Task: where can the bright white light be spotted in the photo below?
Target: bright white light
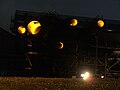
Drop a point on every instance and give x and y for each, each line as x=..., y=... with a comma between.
x=102, y=76
x=86, y=75
x=82, y=75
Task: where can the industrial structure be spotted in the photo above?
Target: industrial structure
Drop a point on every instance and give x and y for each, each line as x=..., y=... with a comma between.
x=62, y=45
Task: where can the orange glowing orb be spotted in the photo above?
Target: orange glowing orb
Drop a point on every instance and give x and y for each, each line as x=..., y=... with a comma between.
x=73, y=22
x=34, y=27
x=100, y=23
x=21, y=29
x=60, y=45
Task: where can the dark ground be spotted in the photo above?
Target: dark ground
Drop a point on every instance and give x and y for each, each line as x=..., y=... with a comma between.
x=37, y=83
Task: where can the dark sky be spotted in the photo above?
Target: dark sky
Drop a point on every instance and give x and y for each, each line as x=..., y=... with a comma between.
x=109, y=9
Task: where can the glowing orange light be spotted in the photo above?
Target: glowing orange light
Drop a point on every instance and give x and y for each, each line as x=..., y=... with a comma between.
x=34, y=27
x=21, y=29
x=100, y=23
x=61, y=45
x=73, y=22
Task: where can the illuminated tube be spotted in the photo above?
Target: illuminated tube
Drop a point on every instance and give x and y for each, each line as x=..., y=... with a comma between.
x=73, y=22
x=34, y=27
x=21, y=29
x=100, y=23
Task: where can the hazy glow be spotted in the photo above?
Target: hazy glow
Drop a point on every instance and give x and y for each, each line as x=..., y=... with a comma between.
x=73, y=22
x=34, y=27
x=86, y=75
x=32, y=53
x=100, y=23
x=109, y=30
x=117, y=52
x=29, y=45
x=21, y=29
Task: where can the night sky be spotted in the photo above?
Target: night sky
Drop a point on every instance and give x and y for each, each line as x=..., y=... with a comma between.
x=109, y=9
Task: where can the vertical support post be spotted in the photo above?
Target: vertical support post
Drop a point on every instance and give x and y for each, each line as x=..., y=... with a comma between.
x=96, y=57
x=106, y=71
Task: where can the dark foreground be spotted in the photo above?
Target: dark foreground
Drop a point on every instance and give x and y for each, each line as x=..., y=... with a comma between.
x=37, y=83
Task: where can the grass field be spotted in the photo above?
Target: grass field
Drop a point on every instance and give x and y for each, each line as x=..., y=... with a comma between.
x=37, y=83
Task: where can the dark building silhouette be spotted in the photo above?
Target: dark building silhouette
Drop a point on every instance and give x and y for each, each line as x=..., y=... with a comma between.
x=11, y=57
x=86, y=46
